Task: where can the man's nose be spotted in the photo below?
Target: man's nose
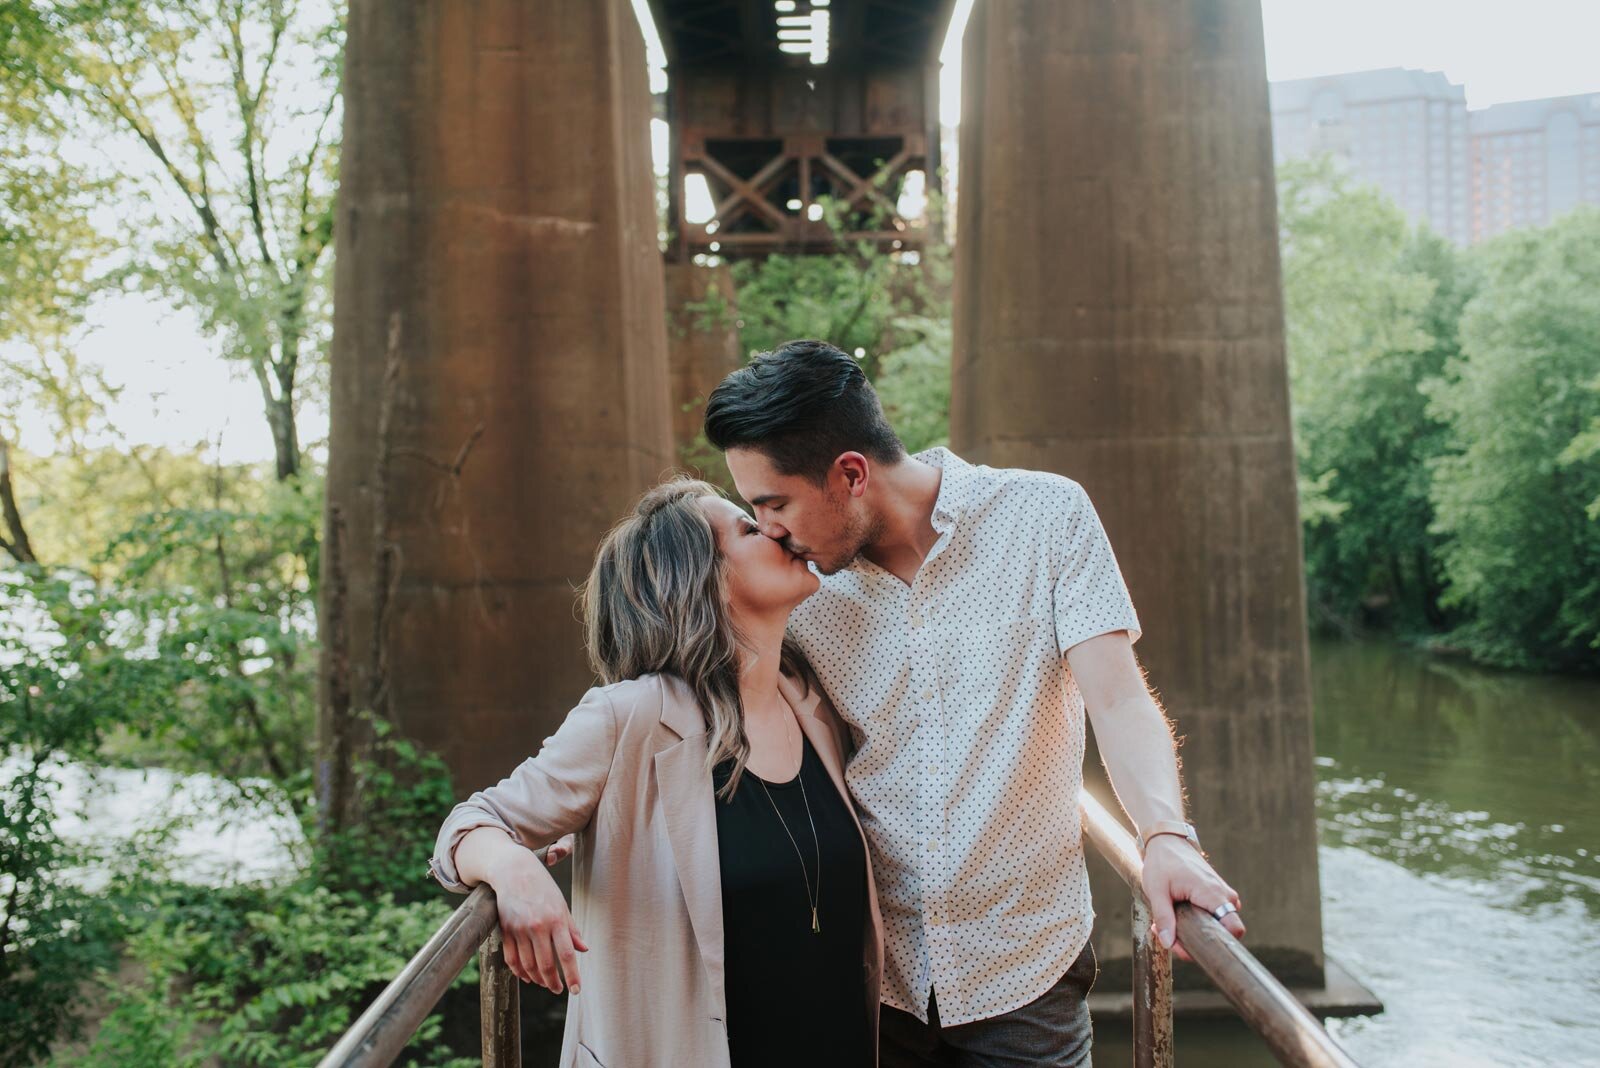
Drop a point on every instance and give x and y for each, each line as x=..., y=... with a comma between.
x=771, y=528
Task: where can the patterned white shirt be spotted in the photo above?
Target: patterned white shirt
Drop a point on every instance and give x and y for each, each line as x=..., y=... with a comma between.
x=970, y=733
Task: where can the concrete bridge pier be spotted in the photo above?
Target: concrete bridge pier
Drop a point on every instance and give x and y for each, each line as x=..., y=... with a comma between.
x=500, y=391
x=702, y=349
x=1119, y=320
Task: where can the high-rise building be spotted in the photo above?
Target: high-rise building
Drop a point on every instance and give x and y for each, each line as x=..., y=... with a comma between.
x=1405, y=131
x=1468, y=174
x=1533, y=160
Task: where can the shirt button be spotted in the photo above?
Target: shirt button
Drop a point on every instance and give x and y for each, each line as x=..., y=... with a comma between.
x=933, y=843
x=916, y=620
x=927, y=695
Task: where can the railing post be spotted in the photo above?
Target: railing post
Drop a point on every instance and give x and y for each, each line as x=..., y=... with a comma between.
x=498, y=1005
x=1152, y=993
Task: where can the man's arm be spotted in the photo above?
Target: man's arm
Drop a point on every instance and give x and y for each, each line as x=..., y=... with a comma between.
x=1136, y=744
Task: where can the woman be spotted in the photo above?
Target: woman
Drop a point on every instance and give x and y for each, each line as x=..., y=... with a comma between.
x=720, y=878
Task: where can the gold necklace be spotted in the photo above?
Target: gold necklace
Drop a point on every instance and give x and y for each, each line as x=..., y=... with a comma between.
x=816, y=927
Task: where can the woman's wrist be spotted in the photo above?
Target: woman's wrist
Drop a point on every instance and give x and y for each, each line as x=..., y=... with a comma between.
x=482, y=852
x=511, y=865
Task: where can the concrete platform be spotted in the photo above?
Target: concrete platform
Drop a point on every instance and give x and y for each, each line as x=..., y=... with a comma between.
x=1341, y=995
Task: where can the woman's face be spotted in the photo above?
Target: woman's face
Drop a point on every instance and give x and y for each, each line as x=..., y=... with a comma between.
x=763, y=576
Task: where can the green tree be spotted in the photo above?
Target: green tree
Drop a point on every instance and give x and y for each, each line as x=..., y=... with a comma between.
x=1514, y=493
x=1586, y=446
x=914, y=380
x=857, y=298
x=1369, y=308
x=219, y=124
x=48, y=250
x=890, y=308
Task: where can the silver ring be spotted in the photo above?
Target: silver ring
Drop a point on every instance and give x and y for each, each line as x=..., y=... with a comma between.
x=1223, y=909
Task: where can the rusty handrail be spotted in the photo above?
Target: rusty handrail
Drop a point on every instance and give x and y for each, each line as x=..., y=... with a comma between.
x=1289, y=1030
x=377, y=1038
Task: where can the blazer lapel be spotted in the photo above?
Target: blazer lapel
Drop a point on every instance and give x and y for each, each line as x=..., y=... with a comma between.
x=688, y=808
x=823, y=738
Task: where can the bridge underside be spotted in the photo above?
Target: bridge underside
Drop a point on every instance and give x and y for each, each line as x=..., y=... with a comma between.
x=501, y=390
x=771, y=132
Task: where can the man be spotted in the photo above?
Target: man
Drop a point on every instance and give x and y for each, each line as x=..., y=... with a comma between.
x=968, y=619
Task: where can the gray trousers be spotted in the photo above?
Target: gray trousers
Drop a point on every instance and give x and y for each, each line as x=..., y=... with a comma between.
x=1052, y=1030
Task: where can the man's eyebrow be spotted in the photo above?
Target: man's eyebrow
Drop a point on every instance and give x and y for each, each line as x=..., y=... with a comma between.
x=765, y=498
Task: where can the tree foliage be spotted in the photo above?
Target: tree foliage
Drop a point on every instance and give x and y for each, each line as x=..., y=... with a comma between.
x=1515, y=493
x=217, y=126
x=1446, y=424
x=1356, y=307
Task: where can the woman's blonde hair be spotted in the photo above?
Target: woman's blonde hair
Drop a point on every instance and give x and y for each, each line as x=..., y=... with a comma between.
x=656, y=600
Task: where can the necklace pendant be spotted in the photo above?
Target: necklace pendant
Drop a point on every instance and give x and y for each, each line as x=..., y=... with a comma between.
x=816, y=928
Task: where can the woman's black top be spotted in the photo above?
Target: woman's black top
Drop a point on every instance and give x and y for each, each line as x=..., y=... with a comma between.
x=795, y=997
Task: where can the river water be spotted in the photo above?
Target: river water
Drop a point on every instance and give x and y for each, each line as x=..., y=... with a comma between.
x=1459, y=825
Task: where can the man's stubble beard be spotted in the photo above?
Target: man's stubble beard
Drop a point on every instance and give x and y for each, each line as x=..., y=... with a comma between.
x=860, y=532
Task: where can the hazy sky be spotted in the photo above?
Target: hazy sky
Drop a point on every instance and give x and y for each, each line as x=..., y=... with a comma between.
x=1499, y=49
x=179, y=392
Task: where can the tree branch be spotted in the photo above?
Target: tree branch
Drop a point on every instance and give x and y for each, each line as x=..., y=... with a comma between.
x=19, y=546
x=313, y=239
x=249, y=104
x=137, y=122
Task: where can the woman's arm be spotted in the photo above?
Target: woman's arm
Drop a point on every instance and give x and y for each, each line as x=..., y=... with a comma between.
x=545, y=797
x=490, y=837
x=541, y=940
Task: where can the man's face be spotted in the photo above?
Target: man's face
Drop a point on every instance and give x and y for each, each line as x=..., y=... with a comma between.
x=825, y=524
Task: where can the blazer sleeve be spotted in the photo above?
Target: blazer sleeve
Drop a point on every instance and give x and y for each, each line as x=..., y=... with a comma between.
x=544, y=797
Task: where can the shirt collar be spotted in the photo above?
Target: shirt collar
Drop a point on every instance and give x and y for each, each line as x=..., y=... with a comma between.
x=955, y=492
x=955, y=485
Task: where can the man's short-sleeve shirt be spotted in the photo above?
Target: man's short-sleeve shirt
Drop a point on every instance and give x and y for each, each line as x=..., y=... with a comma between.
x=970, y=730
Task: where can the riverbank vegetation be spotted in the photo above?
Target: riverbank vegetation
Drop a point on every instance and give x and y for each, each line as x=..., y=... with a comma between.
x=1445, y=409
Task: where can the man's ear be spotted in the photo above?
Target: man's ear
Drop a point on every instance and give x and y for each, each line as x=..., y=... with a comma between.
x=856, y=471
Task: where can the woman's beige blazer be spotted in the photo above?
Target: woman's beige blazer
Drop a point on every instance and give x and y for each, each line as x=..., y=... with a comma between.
x=627, y=773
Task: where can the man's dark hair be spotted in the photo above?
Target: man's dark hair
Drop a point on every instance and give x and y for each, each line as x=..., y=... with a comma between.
x=802, y=404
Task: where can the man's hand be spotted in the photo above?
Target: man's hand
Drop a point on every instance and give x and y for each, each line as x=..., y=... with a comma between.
x=559, y=850
x=1175, y=871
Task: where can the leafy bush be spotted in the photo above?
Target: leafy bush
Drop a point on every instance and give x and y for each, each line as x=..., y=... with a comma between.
x=196, y=650
x=61, y=689
x=406, y=792
x=262, y=977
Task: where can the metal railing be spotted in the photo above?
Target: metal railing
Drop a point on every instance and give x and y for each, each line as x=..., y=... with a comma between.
x=1266, y=1006
x=377, y=1038
x=1288, y=1028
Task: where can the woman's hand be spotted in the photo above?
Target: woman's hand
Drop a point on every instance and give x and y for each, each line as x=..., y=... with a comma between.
x=541, y=941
